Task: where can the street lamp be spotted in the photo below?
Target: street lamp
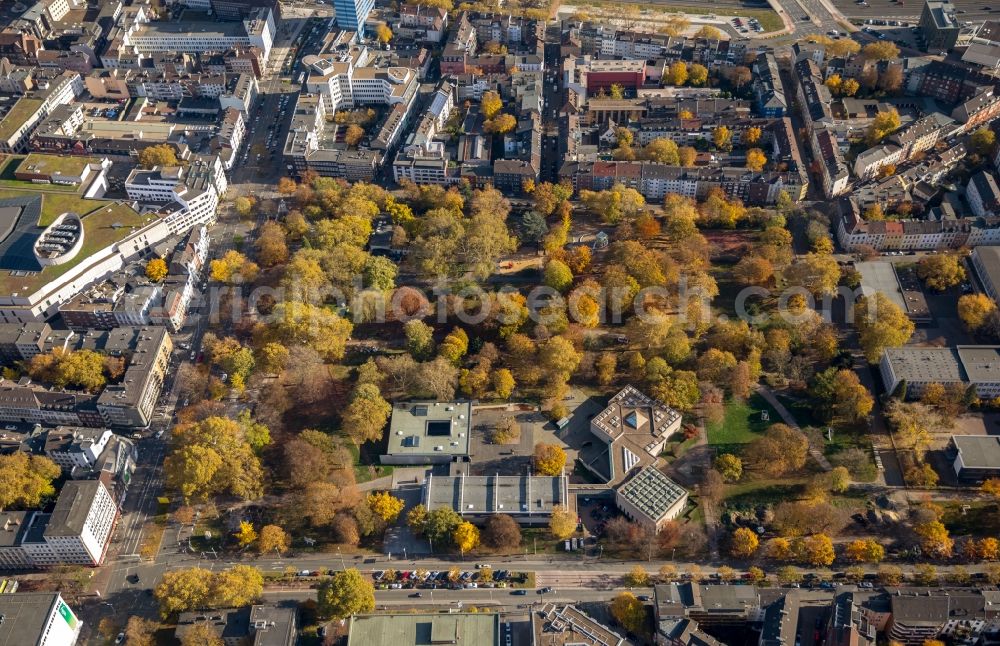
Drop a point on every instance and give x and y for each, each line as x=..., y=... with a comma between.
x=342, y=565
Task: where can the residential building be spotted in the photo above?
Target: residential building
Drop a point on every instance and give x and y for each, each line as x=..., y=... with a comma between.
x=832, y=166
x=19, y=120
x=939, y=25
x=527, y=499
x=131, y=402
x=565, y=625
x=482, y=629
x=80, y=526
x=72, y=447
x=769, y=96
x=256, y=625
x=986, y=261
x=37, y=618
x=968, y=366
x=428, y=433
x=983, y=194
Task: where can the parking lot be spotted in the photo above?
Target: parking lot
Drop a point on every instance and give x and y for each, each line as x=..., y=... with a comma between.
x=967, y=10
x=483, y=576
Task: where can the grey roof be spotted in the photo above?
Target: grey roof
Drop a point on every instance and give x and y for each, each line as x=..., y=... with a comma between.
x=419, y=428
x=25, y=615
x=978, y=451
x=424, y=629
x=981, y=362
x=926, y=365
x=72, y=507
x=988, y=257
x=272, y=625
x=496, y=494
x=18, y=232
x=652, y=493
x=13, y=526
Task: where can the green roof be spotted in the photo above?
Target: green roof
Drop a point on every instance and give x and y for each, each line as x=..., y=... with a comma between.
x=104, y=223
x=48, y=164
x=17, y=115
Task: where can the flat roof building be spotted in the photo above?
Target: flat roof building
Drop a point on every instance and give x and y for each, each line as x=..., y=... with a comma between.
x=977, y=366
x=556, y=625
x=651, y=498
x=419, y=629
x=528, y=499
x=633, y=429
x=975, y=457
x=939, y=25
x=37, y=618
x=986, y=261
x=428, y=433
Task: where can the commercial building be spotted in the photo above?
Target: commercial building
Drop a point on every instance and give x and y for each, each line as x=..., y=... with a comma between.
x=939, y=25
x=38, y=619
x=651, y=499
x=352, y=14
x=428, y=433
x=191, y=193
x=482, y=629
x=527, y=499
x=145, y=37
x=975, y=366
x=975, y=457
x=76, y=532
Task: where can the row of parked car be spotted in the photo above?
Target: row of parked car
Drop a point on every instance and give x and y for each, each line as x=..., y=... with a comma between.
x=408, y=579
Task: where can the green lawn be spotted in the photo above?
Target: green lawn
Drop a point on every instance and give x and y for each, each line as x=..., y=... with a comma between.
x=751, y=492
x=18, y=114
x=769, y=20
x=981, y=519
x=742, y=423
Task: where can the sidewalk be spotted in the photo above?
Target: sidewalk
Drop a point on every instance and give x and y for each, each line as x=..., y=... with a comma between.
x=817, y=455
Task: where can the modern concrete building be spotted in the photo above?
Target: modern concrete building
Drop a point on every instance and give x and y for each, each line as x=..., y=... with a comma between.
x=72, y=447
x=429, y=433
x=651, y=498
x=37, y=619
x=482, y=629
x=528, y=499
x=565, y=625
x=967, y=366
x=975, y=457
x=632, y=430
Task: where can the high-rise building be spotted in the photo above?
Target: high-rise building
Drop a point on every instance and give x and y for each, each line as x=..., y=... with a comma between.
x=939, y=25
x=352, y=14
x=40, y=618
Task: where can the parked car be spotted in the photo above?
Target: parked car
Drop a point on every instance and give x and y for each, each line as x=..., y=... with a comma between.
x=519, y=593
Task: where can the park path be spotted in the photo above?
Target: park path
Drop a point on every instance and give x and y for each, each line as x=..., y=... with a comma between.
x=817, y=455
x=711, y=519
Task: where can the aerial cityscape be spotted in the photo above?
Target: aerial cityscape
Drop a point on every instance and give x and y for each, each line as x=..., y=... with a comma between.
x=499, y=323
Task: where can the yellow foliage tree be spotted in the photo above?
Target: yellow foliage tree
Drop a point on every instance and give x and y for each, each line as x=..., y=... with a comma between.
x=466, y=537
x=385, y=505
x=156, y=269
x=246, y=534
x=549, y=459
x=562, y=523
x=743, y=543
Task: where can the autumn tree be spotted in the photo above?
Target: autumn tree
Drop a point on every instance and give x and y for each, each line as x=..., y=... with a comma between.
x=383, y=33
x=25, y=479
x=637, y=577
x=233, y=267
x=629, y=612
x=500, y=124
x=782, y=449
x=708, y=32
x=976, y=310
x=883, y=124
x=881, y=324
x=743, y=543
x=697, y=74
x=502, y=532
x=562, y=522
x=465, y=537
x=156, y=269
x=385, y=505
x=753, y=270
x=941, y=271
x=312, y=326
x=273, y=539
x=983, y=140
x=729, y=466
x=844, y=395
x=549, y=459
x=345, y=593
x=367, y=414
x=272, y=248
x=677, y=74
x=880, y=50
x=934, y=539
x=159, y=155
x=490, y=105
x=722, y=137
x=213, y=456
x=864, y=551
x=756, y=159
